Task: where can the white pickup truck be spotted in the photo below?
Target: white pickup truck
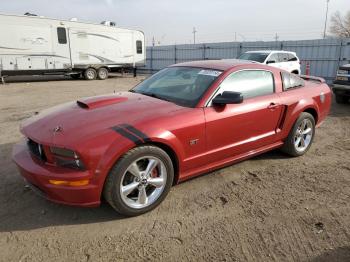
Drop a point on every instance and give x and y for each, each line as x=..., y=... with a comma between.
x=341, y=87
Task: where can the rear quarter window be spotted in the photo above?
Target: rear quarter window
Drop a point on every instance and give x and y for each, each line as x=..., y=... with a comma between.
x=292, y=58
x=291, y=81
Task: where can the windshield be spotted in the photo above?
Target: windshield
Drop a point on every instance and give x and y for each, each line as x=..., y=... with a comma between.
x=258, y=57
x=181, y=85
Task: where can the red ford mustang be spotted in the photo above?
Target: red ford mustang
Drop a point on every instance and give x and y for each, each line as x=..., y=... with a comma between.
x=183, y=121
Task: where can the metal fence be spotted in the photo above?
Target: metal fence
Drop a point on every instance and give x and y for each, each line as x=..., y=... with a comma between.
x=323, y=56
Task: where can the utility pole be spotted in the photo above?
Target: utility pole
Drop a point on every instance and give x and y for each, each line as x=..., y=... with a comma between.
x=276, y=37
x=243, y=37
x=325, y=22
x=194, y=35
x=153, y=41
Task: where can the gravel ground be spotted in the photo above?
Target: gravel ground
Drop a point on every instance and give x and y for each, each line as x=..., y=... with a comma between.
x=269, y=208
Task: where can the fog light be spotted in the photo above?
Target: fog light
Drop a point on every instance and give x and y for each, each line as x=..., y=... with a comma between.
x=69, y=183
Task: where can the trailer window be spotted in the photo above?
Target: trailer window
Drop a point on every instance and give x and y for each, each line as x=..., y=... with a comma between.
x=61, y=34
x=139, y=47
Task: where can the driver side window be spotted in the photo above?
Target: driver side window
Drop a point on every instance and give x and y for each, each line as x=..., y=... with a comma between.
x=250, y=83
x=274, y=57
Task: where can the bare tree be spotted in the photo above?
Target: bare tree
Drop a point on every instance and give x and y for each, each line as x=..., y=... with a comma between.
x=340, y=25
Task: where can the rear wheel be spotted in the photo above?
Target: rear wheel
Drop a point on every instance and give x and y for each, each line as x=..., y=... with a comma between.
x=340, y=99
x=90, y=74
x=102, y=73
x=301, y=136
x=139, y=181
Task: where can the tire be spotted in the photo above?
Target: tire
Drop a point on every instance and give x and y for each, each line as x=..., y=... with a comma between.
x=295, y=147
x=341, y=99
x=102, y=73
x=75, y=76
x=90, y=74
x=142, y=194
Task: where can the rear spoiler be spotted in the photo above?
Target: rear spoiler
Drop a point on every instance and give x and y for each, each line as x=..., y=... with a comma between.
x=313, y=78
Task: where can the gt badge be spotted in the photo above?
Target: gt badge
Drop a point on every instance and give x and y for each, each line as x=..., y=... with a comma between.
x=194, y=142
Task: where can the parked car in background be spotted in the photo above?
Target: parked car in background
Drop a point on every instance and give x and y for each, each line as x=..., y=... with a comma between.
x=341, y=85
x=285, y=60
x=185, y=120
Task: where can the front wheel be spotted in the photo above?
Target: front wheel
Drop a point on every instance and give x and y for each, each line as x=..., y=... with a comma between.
x=139, y=181
x=301, y=136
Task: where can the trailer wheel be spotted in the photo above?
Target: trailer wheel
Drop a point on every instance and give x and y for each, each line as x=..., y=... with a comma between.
x=90, y=74
x=102, y=73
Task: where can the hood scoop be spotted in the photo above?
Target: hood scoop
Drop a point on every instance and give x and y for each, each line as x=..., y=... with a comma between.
x=100, y=101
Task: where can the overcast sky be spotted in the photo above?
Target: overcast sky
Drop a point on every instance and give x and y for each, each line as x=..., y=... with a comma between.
x=215, y=20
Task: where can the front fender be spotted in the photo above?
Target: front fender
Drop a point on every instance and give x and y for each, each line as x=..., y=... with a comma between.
x=121, y=145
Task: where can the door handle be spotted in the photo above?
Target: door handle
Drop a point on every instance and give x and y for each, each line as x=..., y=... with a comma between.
x=273, y=106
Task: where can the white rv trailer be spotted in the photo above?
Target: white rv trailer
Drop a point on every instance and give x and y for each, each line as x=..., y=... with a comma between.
x=32, y=45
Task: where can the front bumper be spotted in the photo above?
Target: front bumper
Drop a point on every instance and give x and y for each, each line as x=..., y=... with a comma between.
x=38, y=174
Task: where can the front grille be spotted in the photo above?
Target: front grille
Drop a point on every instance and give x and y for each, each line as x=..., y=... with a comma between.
x=36, y=149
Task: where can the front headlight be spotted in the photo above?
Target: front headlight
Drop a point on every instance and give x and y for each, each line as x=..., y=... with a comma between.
x=66, y=158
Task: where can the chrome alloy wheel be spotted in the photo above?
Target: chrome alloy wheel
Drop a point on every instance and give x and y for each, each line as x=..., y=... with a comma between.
x=303, y=135
x=143, y=182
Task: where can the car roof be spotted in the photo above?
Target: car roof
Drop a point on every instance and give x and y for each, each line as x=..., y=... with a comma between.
x=223, y=64
x=271, y=51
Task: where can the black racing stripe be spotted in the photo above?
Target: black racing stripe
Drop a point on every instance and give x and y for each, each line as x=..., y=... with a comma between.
x=136, y=132
x=127, y=135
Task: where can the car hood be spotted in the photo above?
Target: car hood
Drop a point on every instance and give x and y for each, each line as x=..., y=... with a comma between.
x=74, y=122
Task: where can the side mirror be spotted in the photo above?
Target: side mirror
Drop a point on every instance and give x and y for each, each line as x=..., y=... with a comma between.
x=271, y=62
x=228, y=97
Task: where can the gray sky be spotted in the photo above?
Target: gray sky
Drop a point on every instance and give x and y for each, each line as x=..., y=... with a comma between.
x=173, y=21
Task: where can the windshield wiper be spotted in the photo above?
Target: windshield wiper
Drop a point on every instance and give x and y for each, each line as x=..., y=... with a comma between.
x=155, y=96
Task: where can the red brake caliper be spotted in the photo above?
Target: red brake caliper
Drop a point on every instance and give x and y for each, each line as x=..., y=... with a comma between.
x=154, y=173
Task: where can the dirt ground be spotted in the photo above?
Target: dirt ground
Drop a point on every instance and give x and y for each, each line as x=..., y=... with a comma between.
x=269, y=208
